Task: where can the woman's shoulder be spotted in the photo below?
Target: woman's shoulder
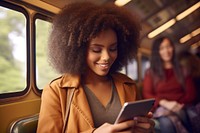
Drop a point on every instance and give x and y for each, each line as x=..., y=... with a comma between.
x=65, y=80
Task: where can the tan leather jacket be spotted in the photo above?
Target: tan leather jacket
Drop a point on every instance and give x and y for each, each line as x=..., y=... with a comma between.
x=52, y=112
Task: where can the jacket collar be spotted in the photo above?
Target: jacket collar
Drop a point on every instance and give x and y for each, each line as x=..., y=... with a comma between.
x=70, y=80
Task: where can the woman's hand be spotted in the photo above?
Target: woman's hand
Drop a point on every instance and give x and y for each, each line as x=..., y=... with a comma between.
x=137, y=125
x=123, y=127
x=144, y=125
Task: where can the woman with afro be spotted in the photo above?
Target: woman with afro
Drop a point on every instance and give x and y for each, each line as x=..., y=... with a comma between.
x=88, y=45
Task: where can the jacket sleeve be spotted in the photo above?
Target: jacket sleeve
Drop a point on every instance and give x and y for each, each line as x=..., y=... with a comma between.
x=50, y=117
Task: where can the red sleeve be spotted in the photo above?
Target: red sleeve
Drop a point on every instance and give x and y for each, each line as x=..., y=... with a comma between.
x=148, y=90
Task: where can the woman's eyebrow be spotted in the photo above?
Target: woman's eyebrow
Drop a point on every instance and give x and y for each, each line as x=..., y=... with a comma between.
x=96, y=44
x=101, y=45
x=115, y=43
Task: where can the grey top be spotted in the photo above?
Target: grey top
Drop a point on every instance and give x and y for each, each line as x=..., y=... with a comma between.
x=100, y=113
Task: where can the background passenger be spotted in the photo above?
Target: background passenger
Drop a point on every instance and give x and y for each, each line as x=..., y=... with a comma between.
x=174, y=91
x=191, y=62
x=88, y=45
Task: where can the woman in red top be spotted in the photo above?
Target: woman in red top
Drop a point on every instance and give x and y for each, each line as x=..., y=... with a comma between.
x=171, y=88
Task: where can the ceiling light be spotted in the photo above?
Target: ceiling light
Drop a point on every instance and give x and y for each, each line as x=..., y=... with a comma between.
x=185, y=38
x=121, y=2
x=196, y=32
x=188, y=11
x=161, y=28
x=189, y=36
x=195, y=45
x=173, y=21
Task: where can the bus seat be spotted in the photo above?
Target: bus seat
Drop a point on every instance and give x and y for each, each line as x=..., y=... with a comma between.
x=25, y=125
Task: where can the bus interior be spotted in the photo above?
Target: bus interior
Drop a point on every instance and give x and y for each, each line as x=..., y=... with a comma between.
x=25, y=26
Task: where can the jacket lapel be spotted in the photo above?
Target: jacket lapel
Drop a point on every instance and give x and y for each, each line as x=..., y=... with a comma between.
x=79, y=98
x=125, y=87
x=80, y=101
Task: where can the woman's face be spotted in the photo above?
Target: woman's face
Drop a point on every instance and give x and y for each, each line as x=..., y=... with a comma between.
x=166, y=50
x=102, y=52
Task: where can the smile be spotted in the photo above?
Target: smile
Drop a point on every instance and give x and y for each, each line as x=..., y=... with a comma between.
x=104, y=66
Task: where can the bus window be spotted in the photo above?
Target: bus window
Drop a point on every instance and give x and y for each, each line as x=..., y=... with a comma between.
x=12, y=51
x=132, y=70
x=145, y=65
x=123, y=70
x=44, y=72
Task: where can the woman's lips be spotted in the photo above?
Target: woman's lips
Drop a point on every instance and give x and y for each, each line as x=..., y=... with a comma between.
x=103, y=65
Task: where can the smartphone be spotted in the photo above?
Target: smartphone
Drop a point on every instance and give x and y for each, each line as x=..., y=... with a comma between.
x=136, y=108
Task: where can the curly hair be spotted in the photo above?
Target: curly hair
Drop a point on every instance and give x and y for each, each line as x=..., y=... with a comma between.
x=78, y=23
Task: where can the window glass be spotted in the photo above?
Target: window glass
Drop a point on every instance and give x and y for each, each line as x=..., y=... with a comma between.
x=145, y=65
x=132, y=70
x=12, y=51
x=44, y=72
x=123, y=70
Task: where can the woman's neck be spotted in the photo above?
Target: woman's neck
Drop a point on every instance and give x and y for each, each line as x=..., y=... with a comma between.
x=168, y=65
x=92, y=78
x=101, y=86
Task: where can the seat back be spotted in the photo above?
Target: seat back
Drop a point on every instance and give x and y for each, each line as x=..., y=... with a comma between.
x=25, y=125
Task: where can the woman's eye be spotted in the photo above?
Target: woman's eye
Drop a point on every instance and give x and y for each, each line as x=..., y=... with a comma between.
x=96, y=50
x=113, y=49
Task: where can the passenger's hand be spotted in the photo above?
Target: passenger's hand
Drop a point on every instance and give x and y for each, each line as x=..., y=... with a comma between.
x=138, y=125
x=171, y=105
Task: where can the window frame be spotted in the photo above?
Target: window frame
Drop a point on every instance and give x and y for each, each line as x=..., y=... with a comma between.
x=44, y=18
x=22, y=10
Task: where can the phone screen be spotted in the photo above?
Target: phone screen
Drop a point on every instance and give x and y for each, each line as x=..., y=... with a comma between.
x=136, y=108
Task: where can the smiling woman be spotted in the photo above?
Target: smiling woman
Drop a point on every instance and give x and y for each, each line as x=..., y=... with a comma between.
x=89, y=59
x=174, y=91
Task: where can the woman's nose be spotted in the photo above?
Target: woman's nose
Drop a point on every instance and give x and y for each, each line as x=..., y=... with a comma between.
x=105, y=56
